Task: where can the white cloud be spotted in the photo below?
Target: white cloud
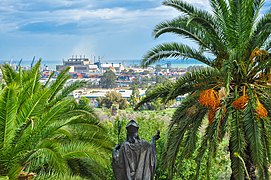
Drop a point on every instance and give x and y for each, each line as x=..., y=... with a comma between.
x=117, y=14
x=202, y=4
x=14, y=13
x=13, y=18
x=106, y=14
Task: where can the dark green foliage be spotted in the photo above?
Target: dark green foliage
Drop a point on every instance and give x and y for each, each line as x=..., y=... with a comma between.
x=123, y=104
x=108, y=80
x=111, y=98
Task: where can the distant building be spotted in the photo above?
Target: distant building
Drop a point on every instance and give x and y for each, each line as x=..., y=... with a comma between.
x=93, y=94
x=77, y=64
x=117, y=68
x=139, y=70
x=93, y=68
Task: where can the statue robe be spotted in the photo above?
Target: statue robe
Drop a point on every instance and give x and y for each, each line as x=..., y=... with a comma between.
x=134, y=161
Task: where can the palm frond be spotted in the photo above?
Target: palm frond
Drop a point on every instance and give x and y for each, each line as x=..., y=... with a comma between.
x=87, y=114
x=190, y=82
x=204, y=21
x=88, y=168
x=46, y=84
x=55, y=175
x=159, y=91
x=203, y=78
x=48, y=152
x=183, y=118
x=268, y=45
x=253, y=134
x=15, y=171
x=67, y=90
x=203, y=147
x=75, y=150
x=173, y=50
x=9, y=74
x=19, y=132
x=227, y=71
x=261, y=32
x=92, y=133
x=221, y=11
x=265, y=133
x=55, y=112
x=191, y=135
x=185, y=26
x=8, y=110
x=237, y=145
x=186, y=8
x=36, y=76
x=33, y=106
x=59, y=83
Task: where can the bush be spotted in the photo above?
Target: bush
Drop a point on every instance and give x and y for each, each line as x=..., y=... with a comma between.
x=123, y=104
x=110, y=98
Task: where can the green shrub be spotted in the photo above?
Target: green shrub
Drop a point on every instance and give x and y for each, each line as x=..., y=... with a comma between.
x=123, y=104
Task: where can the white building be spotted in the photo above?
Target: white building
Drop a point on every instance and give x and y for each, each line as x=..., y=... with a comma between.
x=95, y=93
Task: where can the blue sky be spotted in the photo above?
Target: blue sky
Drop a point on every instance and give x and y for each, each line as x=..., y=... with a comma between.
x=57, y=29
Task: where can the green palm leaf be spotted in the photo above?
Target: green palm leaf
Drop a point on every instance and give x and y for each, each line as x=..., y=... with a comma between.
x=59, y=83
x=8, y=112
x=173, y=50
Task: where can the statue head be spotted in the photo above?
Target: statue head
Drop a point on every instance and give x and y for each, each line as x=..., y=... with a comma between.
x=132, y=131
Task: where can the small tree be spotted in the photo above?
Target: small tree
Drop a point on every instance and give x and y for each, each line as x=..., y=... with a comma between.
x=123, y=104
x=135, y=90
x=146, y=72
x=131, y=71
x=108, y=80
x=110, y=98
x=134, y=99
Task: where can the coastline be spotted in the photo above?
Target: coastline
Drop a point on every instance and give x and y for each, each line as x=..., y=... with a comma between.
x=175, y=63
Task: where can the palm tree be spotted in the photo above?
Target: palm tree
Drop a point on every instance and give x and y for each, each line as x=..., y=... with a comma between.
x=232, y=91
x=45, y=131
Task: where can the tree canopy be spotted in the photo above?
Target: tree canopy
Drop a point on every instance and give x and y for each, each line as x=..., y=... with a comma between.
x=108, y=80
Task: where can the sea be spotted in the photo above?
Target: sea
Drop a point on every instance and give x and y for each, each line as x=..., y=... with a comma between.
x=173, y=63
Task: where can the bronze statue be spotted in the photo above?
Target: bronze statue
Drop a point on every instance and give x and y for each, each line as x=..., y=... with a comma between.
x=135, y=159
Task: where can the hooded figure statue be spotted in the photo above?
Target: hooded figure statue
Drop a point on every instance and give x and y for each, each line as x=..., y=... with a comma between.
x=135, y=159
